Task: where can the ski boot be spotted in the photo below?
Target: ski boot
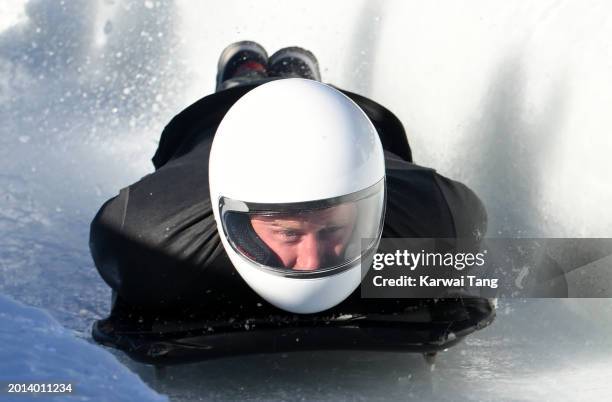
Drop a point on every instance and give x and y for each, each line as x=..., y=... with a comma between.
x=241, y=61
x=294, y=62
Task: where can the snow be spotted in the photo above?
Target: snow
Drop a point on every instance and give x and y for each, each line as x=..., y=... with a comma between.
x=509, y=97
x=35, y=348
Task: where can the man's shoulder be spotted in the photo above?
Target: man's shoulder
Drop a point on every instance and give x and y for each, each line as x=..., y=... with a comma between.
x=395, y=162
x=445, y=207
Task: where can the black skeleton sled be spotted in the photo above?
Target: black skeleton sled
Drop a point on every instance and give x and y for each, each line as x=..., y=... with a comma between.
x=242, y=323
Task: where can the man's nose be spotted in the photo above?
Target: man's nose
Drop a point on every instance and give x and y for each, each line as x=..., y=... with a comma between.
x=309, y=253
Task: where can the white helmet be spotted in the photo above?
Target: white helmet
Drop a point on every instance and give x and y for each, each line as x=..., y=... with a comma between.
x=297, y=183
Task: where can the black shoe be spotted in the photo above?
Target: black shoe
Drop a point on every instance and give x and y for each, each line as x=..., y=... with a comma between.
x=242, y=59
x=294, y=62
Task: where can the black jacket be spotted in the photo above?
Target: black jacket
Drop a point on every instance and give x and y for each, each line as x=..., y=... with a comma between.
x=156, y=242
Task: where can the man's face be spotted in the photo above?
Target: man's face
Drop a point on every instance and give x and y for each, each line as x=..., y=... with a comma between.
x=308, y=241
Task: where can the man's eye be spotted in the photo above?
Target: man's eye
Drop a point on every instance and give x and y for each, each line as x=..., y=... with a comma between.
x=331, y=231
x=288, y=234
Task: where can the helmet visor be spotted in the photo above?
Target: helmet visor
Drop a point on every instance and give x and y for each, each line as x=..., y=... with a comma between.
x=313, y=238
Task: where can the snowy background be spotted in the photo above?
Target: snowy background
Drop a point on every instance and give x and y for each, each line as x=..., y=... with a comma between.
x=511, y=98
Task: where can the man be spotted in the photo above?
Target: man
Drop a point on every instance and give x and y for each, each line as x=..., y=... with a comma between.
x=281, y=217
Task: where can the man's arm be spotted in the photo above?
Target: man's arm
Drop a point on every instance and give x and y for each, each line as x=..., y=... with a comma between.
x=103, y=237
x=467, y=210
x=157, y=241
x=423, y=203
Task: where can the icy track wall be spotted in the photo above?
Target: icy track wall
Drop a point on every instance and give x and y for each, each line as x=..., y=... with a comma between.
x=512, y=99
x=42, y=351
